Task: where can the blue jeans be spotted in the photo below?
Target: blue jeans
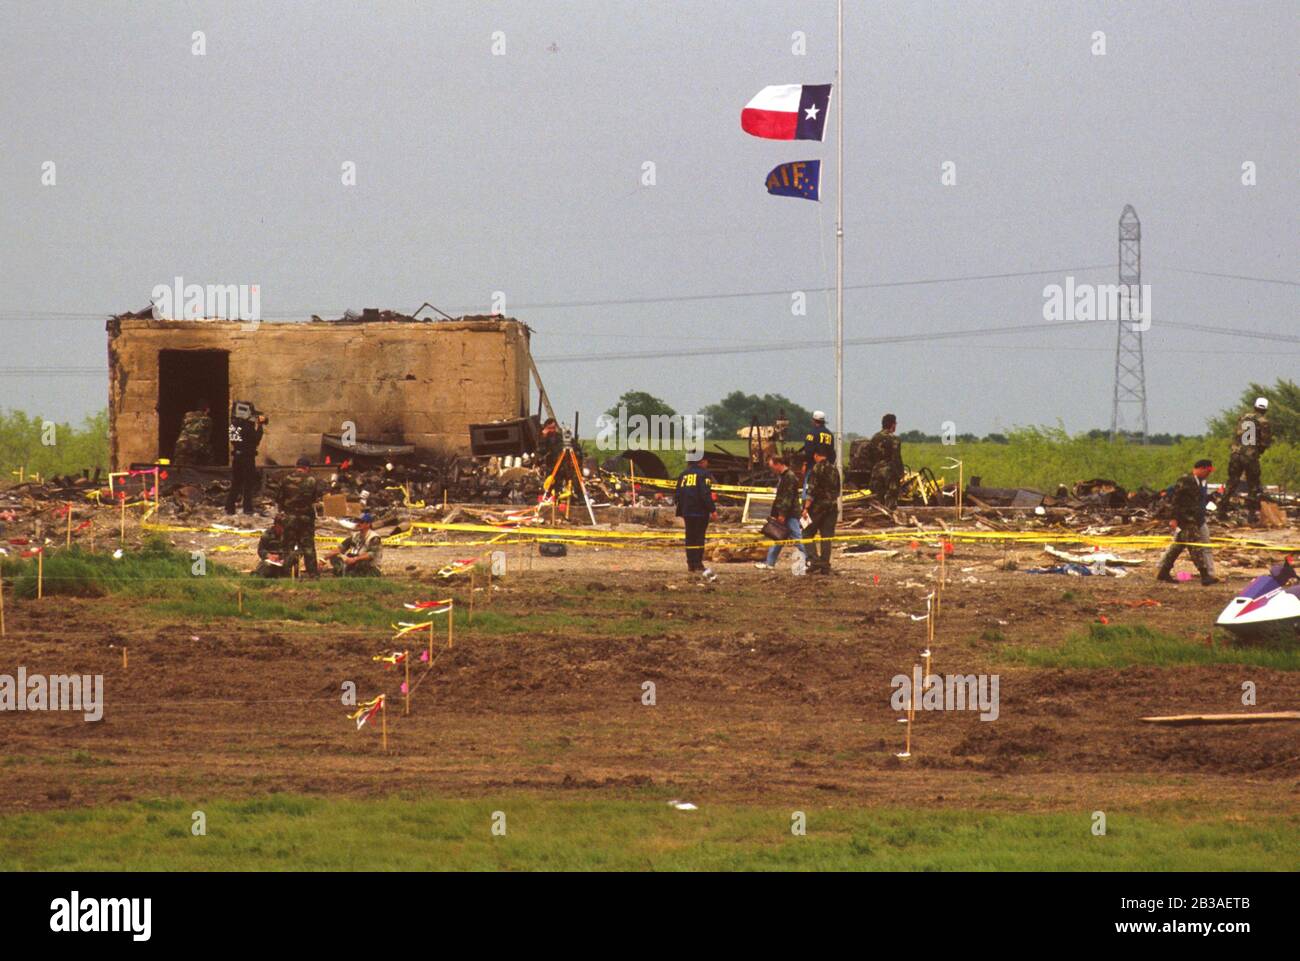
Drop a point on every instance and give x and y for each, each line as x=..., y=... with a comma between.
x=796, y=532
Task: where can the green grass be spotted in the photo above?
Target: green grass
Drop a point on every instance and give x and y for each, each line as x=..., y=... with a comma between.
x=1123, y=645
x=77, y=573
x=285, y=832
x=161, y=579
x=1042, y=458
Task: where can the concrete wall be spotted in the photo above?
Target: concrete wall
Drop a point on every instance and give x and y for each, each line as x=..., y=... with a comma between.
x=399, y=382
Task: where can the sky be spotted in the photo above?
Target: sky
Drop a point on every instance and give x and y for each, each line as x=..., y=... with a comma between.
x=502, y=147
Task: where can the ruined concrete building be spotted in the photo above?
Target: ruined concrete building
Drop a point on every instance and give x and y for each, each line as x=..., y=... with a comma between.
x=398, y=380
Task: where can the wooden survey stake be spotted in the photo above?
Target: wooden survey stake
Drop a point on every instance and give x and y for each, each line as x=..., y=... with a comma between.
x=1259, y=718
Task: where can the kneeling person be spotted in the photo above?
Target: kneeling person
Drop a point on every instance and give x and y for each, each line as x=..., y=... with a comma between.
x=359, y=555
x=274, y=556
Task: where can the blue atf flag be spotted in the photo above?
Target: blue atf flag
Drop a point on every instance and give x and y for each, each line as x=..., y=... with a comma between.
x=800, y=178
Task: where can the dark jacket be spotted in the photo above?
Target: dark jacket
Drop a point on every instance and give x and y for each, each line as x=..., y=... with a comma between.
x=786, y=503
x=823, y=487
x=695, y=492
x=1188, y=498
x=270, y=543
x=885, y=450
x=298, y=493
x=245, y=436
x=818, y=440
x=1252, y=423
x=549, y=448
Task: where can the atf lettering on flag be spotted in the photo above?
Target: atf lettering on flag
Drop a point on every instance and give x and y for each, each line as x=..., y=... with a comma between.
x=790, y=112
x=800, y=178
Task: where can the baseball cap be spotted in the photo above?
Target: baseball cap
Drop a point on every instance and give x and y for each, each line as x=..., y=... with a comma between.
x=365, y=518
x=1261, y=403
x=819, y=415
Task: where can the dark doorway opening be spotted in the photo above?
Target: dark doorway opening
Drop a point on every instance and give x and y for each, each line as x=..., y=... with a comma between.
x=186, y=377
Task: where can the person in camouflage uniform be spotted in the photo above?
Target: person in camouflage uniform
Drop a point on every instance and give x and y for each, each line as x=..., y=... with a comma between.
x=822, y=507
x=271, y=548
x=1253, y=437
x=1188, y=498
x=194, y=443
x=786, y=509
x=359, y=555
x=297, y=500
x=885, y=455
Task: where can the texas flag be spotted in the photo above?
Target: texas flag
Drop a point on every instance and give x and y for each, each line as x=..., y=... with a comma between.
x=790, y=112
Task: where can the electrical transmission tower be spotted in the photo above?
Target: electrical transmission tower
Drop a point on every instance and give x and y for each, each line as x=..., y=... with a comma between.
x=1129, y=409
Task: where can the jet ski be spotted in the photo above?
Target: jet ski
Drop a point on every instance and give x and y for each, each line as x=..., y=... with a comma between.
x=1267, y=603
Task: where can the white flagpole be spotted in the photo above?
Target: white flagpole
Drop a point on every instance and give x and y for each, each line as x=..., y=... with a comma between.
x=839, y=251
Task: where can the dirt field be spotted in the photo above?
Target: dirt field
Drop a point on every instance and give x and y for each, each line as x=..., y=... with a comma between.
x=768, y=688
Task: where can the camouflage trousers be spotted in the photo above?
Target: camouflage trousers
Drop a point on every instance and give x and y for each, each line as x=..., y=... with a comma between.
x=191, y=450
x=1201, y=556
x=359, y=569
x=264, y=569
x=1243, y=466
x=884, y=485
x=300, y=536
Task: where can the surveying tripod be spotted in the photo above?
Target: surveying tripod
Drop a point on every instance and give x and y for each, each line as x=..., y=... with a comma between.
x=569, y=455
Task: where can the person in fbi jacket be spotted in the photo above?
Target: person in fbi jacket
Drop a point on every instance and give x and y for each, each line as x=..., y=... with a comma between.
x=696, y=507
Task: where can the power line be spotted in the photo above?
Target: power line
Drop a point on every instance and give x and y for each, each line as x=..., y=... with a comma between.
x=811, y=344
x=896, y=339
x=1233, y=332
x=622, y=301
x=1210, y=273
x=18, y=314
x=86, y=371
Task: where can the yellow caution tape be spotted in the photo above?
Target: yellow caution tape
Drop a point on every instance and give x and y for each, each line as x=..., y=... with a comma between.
x=673, y=538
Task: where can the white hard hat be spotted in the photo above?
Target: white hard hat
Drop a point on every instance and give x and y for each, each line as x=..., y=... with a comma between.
x=819, y=415
x=1261, y=403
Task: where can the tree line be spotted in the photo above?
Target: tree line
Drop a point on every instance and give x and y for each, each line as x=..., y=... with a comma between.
x=739, y=409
